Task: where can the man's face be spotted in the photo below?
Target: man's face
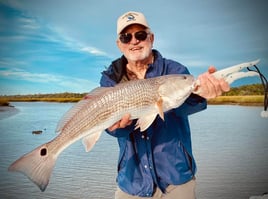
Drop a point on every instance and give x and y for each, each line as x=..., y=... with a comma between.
x=136, y=50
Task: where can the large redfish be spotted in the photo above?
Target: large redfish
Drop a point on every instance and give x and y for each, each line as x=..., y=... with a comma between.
x=100, y=109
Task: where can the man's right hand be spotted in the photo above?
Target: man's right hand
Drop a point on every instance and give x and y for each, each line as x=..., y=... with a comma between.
x=125, y=121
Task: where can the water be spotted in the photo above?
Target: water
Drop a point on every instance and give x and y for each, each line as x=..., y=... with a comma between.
x=230, y=144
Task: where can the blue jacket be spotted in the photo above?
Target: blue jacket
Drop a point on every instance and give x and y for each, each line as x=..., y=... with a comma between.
x=162, y=155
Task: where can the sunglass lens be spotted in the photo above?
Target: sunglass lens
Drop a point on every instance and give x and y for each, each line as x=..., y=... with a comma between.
x=141, y=35
x=125, y=38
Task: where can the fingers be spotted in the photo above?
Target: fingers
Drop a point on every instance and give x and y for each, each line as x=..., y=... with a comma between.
x=211, y=69
x=210, y=87
x=125, y=121
x=115, y=126
x=224, y=85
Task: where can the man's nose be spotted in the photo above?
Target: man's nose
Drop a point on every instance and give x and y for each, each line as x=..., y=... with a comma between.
x=134, y=40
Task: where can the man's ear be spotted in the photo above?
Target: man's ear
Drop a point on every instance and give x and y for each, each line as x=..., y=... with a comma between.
x=152, y=37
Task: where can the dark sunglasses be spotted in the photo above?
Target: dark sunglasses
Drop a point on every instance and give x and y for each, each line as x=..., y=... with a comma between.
x=126, y=37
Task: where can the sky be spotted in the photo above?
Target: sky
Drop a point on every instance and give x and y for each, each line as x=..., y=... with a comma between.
x=56, y=46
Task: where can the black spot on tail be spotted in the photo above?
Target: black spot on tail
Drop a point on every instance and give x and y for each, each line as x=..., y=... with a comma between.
x=43, y=151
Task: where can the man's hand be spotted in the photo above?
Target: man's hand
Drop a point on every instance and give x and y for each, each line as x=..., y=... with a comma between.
x=125, y=121
x=209, y=86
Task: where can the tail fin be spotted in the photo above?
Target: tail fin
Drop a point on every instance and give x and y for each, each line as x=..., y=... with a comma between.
x=36, y=165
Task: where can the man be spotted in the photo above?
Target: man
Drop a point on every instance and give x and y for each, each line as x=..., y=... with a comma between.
x=156, y=163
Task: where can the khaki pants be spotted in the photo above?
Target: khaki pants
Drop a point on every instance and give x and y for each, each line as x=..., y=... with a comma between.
x=184, y=191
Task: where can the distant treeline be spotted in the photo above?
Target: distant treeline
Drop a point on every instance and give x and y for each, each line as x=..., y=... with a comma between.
x=55, y=97
x=252, y=89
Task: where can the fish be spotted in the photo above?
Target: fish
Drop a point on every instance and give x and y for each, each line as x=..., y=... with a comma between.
x=143, y=99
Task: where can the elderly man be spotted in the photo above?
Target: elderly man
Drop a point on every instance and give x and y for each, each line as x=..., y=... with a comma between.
x=156, y=163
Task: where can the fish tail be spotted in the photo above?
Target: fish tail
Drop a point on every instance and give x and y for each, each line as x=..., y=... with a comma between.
x=37, y=165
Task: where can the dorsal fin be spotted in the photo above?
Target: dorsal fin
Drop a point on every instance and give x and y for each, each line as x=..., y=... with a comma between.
x=92, y=95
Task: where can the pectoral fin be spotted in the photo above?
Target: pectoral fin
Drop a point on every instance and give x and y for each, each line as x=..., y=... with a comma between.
x=159, y=105
x=90, y=140
x=144, y=122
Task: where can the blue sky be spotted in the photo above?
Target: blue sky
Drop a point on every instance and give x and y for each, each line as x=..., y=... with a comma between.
x=57, y=46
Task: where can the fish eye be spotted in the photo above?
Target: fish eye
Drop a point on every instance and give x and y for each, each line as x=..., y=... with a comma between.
x=43, y=151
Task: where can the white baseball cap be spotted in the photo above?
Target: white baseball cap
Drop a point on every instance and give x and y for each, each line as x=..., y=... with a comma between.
x=130, y=18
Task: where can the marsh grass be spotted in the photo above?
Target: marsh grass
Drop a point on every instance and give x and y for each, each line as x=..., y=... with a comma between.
x=256, y=100
x=4, y=102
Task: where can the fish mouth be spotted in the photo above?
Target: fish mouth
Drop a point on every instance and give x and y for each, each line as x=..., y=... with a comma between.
x=195, y=87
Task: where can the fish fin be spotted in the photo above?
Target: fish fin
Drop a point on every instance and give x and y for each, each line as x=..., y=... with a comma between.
x=72, y=112
x=37, y=165
x=144, y=122
x=90, y=140
x=159, y=105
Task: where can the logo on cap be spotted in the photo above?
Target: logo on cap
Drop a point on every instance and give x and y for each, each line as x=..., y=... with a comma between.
x=130, y=17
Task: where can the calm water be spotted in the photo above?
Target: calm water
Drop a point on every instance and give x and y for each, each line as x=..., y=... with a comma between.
x=230, y=144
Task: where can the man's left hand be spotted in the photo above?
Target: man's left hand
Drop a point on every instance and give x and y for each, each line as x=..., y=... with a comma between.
x=209, y=87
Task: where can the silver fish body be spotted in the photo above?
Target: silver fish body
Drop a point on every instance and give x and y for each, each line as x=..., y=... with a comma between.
x=100, y=109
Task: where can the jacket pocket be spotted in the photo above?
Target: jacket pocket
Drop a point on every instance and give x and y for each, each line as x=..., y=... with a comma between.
x=188, y=157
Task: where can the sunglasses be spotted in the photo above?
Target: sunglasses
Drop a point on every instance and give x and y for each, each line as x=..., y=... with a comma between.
x=126, y=37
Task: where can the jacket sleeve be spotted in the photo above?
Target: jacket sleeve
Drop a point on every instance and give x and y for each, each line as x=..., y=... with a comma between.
x=122, y=132
x=105, y=81
x=193, y=104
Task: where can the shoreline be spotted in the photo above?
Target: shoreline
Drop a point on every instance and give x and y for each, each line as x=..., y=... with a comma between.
x=246, y=100
x=8, y=111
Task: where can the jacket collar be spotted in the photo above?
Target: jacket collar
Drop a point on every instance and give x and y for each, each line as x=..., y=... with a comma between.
x=118, y=67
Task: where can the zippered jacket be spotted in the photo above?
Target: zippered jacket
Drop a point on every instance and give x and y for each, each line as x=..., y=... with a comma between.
x=161, y=155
